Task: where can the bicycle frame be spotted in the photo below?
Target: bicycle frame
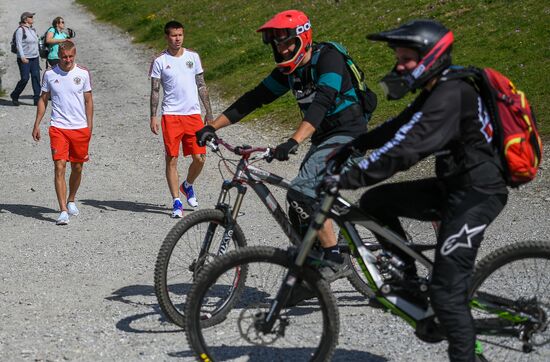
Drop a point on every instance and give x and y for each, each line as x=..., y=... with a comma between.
x=346, y=216
x=247, y=175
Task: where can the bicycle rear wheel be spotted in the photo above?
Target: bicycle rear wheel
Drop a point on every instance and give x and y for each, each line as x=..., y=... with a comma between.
x=511, y=302
x=357, y=279
x=179, y=259
x=307, y=331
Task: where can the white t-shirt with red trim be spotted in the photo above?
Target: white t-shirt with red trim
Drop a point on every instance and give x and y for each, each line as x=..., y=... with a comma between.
x=177, y=76
x=67, y=93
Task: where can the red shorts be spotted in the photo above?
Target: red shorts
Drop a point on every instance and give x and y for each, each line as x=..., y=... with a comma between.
x=178, y=129
x=70, y=144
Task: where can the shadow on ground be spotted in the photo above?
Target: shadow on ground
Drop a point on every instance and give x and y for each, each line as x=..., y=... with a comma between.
x=126, y=206
x=32, y=211
x=148, y=322
x=280, y=354
x=8, y=102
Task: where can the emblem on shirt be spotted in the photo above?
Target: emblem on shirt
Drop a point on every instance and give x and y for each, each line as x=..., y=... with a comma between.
x=77, y=80
x=168, y=66
x=56, y=81
x=189, y=64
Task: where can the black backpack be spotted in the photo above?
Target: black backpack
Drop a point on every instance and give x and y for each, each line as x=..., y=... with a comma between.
x=13, y=43
x=367, y=98
x=43, y=47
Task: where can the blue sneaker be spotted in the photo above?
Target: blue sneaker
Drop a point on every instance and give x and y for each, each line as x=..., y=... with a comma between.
x=189, y=194
x=177, y=210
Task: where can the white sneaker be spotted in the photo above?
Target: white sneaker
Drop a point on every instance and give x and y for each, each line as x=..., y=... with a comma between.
x=73, y=210
x=63, y=218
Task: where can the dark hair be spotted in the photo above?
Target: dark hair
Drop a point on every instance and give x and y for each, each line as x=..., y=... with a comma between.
x=55, y=22
x=172, y=25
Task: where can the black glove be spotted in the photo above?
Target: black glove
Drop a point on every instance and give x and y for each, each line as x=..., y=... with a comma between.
x=281, y=151
x=71, y=33
x=329, y=184
x=205, y=134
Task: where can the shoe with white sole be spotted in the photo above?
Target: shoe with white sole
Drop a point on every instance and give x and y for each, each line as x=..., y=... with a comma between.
x=63, y=218
x=189, y=194
x=73, y=210
x=177, y=210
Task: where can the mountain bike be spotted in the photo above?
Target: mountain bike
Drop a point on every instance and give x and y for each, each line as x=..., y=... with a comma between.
x=509, y=297
x=204, y=234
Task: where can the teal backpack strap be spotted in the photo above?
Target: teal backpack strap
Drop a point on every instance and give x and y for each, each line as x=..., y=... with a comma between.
x=315, y=59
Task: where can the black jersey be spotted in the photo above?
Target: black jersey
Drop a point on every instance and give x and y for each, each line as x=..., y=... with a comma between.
x=451, y=122
x=319, y=98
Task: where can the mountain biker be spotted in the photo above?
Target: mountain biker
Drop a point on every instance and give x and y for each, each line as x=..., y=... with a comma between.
x=329, y=117
x=447, y=119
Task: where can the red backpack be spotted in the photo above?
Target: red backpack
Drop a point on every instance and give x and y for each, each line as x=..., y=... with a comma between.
x=516, y=135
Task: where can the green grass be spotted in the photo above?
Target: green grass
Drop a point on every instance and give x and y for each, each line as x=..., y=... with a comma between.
x=511, y=36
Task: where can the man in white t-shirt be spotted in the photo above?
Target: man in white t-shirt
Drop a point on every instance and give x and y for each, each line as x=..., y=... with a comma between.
x=180, y=72
x=70, y=88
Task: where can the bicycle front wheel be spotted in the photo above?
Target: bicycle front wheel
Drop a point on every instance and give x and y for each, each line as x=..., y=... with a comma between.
x=184, y=253
x=511, y=303
x=306, y=331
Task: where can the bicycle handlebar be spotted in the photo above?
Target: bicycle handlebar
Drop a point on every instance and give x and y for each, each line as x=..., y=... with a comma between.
x=243, y=150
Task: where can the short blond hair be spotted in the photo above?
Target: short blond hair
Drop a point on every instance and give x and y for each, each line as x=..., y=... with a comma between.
x=66, y=45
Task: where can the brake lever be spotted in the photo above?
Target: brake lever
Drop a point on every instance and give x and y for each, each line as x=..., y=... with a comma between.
x=213, y=145
x=268, y=155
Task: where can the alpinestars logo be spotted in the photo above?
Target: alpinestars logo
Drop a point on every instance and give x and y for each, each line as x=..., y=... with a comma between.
x=454, y=242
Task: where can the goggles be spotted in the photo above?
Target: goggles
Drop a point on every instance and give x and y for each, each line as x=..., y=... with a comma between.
x=278, y=36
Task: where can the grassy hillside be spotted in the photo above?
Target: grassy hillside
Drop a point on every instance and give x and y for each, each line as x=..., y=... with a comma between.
x=509, y=35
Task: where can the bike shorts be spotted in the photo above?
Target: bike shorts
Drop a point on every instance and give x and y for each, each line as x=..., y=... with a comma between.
x=178, y=129
x=70, y=144
x=312, y=169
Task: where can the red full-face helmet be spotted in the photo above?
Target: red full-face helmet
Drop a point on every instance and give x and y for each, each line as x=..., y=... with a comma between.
x=284, y=27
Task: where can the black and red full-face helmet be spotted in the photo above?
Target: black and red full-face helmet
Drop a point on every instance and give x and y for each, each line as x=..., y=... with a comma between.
x=283, y=27
x=431, y=40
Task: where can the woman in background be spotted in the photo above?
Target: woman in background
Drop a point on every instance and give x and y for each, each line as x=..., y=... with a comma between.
x=54, y=36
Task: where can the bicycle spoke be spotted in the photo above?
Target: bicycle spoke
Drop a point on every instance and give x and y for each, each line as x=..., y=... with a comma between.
x=297, y=333
x=516, y=311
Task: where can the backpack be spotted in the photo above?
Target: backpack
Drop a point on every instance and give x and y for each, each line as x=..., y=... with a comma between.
x=43, y=47
x=367, y=98
x=516, y=136
x=13, y=44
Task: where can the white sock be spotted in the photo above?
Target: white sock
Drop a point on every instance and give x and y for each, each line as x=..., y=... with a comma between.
x=187, y=184
x=176, y=198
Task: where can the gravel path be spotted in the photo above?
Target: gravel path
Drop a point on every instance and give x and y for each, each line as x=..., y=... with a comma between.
x=84, y=292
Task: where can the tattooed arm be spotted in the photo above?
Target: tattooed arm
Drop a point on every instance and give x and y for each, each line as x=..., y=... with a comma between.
x=155, y=90
x=205, y=97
